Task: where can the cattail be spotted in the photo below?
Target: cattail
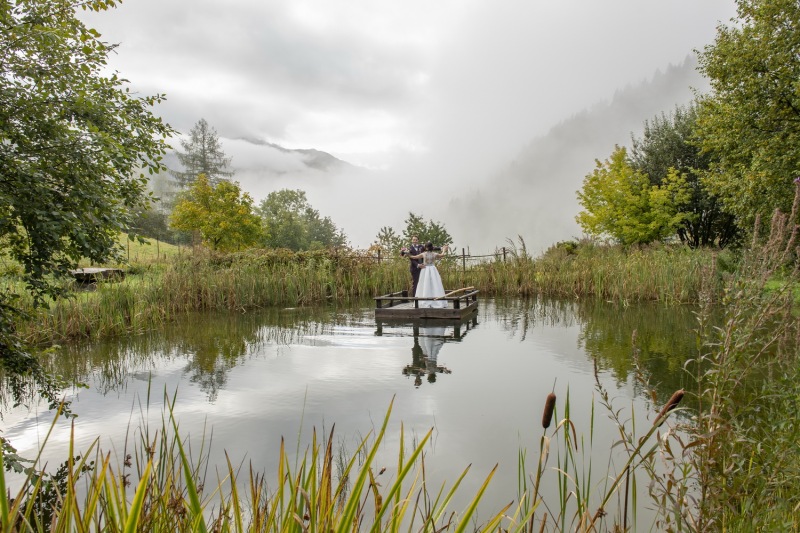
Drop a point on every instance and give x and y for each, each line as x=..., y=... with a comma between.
x=673, y=402
x=549, y=405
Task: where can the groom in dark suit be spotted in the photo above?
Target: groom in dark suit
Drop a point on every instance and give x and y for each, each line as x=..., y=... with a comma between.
x=415, y=249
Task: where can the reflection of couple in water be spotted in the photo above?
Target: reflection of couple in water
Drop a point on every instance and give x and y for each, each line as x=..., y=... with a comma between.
x=426, y=281
x=425, y=353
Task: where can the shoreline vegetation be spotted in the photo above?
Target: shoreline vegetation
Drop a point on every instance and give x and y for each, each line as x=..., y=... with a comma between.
x=714, y=469
x=185, y=280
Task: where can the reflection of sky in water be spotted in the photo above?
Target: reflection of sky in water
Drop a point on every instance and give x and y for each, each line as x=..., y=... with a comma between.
x=501, y=368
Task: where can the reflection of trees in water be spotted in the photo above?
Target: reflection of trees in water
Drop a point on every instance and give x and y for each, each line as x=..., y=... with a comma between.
x=425, y=354
x=665, y=338
x=211, y=344
x=519, y=315
x=662, y=338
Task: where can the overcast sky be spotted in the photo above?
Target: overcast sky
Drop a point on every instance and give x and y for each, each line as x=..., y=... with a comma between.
x=460, y=84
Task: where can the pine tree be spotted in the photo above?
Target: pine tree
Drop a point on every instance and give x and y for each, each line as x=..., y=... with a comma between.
x=202, y=155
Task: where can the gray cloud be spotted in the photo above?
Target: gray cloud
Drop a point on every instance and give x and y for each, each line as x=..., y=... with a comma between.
x=441, y=95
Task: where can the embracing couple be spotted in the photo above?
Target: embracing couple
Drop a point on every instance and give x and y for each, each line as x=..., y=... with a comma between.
x=426, y=281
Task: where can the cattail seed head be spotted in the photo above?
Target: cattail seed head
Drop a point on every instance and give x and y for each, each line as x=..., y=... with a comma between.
x=549, y=406
x=673, y=402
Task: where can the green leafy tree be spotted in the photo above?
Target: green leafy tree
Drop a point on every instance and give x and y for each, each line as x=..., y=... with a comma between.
x=751, y=118
x=620, y=202
x=221, y=213
x=427, y=231
x=388, y=241
x=295, y=225
x=152, y=223
x=73, y=144
x=202, y=154
x=668, y=143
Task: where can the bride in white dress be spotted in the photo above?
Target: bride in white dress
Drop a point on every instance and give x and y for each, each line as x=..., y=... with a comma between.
x=430, y=282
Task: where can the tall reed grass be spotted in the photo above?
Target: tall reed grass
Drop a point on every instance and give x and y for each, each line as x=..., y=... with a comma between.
x=155, y=293
x=161, y=485
x=163, y=481
x=744, y=441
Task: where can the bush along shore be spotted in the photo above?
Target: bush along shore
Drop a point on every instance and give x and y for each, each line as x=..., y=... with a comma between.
x=154, y=292
x=728, y=465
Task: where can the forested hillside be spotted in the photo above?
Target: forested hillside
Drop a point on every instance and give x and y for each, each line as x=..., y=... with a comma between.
x=535, y=195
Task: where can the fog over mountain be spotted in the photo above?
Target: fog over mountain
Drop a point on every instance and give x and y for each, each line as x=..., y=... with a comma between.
x=531, y=194
x=534, y=196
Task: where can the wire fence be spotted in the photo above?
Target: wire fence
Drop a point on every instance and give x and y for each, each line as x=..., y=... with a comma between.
x=378, y=256
x=465, y=257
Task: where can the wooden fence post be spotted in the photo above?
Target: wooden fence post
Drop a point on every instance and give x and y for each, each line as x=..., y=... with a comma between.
x=504, y=254
x=379, y=256
x=463, y=261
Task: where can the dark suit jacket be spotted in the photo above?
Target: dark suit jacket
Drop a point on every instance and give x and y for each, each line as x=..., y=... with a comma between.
x=415, y=249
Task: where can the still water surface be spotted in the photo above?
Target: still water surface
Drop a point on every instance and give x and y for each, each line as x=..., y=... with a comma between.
x=247, y=380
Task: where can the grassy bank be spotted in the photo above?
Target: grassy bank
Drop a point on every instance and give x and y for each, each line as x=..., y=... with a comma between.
x=156, y=290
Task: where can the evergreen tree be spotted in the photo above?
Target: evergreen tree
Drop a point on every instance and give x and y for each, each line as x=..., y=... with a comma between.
x=668, y=144
x=202, y=155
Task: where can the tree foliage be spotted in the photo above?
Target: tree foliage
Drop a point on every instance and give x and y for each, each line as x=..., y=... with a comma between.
x=668, y=143
x=74, y=143
x=202, y=154
x=620, y=202
x=294, y=224
x=751, y=118
x=221, y=213
x=390, y=242
x=427, y=231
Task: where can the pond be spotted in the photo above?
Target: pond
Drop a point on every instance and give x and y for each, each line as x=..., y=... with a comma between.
x=243, y=381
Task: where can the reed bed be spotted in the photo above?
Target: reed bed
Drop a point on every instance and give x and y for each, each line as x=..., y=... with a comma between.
x=670, y=274
x=161, y=484
x=163, y=481
x=155, y=293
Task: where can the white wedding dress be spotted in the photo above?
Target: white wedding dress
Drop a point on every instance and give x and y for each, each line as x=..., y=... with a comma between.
x=430, y=283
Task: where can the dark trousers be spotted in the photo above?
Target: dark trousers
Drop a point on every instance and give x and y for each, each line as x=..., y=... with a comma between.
x=415, y=270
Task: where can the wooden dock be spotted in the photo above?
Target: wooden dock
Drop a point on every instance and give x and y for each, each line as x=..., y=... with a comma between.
x=460, y=304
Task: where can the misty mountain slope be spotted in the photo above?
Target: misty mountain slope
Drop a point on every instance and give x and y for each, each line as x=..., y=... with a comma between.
x=257, y=163
x=535, y=195
x=306, y=157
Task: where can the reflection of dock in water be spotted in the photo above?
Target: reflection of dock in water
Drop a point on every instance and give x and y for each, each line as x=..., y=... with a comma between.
x=455, y=329
x=429, y=337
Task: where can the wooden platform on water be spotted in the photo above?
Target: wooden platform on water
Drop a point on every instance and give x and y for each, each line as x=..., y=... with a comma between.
x=460, y=304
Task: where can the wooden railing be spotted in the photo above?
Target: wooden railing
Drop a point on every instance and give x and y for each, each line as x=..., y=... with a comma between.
x=465, y=297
